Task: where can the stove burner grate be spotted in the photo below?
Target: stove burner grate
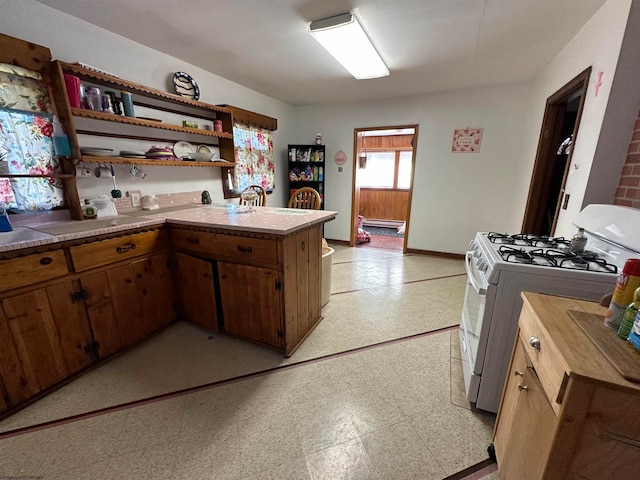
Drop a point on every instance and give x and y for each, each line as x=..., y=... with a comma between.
x=528, y=239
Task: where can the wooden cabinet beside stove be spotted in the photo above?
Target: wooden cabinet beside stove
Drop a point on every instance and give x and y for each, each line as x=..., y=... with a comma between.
x=566, y=412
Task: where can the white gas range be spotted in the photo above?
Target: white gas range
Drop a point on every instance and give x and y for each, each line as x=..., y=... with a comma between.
x=500, y=266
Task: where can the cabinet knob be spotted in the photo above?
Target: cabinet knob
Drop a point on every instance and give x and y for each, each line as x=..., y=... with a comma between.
x=518, y=374
x=523, y=388
x=242, y=249
x=534, y=342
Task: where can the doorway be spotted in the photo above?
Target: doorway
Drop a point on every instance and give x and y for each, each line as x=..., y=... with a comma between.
x=559, y=132
x=382, y=188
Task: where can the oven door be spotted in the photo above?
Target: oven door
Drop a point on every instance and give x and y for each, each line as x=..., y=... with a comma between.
x=474, y=311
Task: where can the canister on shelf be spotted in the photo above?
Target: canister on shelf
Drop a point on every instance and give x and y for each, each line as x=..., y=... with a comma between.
x=629, y=316
x=127, y=103
x=628, y=281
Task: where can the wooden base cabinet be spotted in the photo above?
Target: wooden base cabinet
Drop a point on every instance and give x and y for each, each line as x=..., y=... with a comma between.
x=269, y=285
x=566, y=413
x=68, y=321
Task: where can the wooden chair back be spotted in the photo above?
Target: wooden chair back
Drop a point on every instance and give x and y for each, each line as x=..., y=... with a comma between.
x=261, y=199
x=305, y=197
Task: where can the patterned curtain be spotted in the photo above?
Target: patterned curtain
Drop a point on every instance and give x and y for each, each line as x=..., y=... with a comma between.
x=254, y=158
x=25, y=141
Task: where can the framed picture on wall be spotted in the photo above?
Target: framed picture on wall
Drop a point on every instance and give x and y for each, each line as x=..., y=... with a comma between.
x=466, y=140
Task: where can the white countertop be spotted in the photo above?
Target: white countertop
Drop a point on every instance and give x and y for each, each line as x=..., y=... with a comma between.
x=269, y=220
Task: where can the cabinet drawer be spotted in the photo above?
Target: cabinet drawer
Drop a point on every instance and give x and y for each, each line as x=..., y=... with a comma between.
x=104, y=252
x=545, y=359
x=18, y=272
x=247, y=250
x=203, y=242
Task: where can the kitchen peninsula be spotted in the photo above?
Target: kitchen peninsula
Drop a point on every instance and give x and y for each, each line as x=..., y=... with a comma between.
x=93, y=288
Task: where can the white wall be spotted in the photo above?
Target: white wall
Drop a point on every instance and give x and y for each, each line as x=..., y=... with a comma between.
x=73, y=40
x=596, y=45
x=455, y=194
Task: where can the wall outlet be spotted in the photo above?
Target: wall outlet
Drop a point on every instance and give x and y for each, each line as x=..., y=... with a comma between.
x=135, y=196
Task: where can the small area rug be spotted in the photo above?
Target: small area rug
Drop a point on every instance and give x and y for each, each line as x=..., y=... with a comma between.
x=385, y=231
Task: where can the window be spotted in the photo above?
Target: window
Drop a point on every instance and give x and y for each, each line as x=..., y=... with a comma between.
x=404, y=170
x=254, y=158
x=390, y=169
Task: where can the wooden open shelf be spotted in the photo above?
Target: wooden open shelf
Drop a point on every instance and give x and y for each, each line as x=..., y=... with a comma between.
x=132, y=87
x=155, y=163
x=81, y=112
x=26, y=175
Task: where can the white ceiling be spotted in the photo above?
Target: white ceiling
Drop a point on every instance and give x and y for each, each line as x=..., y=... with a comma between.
x=428, y=45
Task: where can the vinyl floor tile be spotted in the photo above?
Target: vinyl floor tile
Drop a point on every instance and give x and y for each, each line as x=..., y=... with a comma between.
x=390, y=411
x=398, y=453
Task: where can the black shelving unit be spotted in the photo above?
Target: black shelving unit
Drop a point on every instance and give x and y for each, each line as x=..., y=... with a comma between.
x=306, y=168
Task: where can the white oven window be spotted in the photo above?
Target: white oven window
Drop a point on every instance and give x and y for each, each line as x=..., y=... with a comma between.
x=472, y=313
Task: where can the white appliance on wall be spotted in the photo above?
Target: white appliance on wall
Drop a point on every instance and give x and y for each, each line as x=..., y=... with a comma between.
x=500, y=266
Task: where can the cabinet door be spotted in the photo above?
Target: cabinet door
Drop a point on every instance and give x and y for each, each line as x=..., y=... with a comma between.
x=44, y=335
x=251, y=302
x=127, y=303
x=510, y=396
x=102, y=314
x=157, y=288
x=532, y=432
x=196, y=291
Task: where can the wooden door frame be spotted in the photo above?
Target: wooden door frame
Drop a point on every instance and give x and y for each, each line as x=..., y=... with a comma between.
x=547, y=146
x=355, y=190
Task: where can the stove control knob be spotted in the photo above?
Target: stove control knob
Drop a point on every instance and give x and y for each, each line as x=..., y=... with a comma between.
x=482, y=266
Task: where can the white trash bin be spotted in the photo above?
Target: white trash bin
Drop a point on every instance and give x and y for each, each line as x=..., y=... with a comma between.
x=327, y=258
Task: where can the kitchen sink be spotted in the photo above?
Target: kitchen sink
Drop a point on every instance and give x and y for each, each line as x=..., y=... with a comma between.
x=22, y=234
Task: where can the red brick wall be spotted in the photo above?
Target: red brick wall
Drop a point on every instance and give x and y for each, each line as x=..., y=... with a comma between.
x=628, y=192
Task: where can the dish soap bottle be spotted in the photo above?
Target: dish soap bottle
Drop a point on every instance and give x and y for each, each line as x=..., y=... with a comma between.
x=629, y=316
x=578, y=242
x=88, y=210
x=60, y=140
x=5, y=225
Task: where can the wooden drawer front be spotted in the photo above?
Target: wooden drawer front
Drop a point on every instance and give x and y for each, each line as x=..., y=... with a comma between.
x=18, y=272
x=97, y=254
x=546, y=360
x=247, y=250
x=193, y=241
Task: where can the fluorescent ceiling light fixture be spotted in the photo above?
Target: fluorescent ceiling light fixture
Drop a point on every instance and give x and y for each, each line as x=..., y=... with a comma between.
x=343, y=37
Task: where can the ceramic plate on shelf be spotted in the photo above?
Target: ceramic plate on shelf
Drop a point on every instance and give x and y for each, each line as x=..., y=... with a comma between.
x=96, y=152
x=185, y=86
x=184, y=149
x=149, y=119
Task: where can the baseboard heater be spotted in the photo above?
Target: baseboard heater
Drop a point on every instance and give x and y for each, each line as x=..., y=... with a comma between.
x=372, y=222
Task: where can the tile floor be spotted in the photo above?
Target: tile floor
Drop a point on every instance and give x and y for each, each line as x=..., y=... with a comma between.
x=374, y=393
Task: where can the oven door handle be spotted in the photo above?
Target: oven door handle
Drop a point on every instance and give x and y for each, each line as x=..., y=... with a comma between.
x=470, y=275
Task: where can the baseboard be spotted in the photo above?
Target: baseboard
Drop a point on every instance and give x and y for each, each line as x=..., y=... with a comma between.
x=433, y=253
x=338, y=242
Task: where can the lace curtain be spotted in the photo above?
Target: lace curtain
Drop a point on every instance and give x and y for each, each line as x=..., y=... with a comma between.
x=26, y=146
x=254, y=158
